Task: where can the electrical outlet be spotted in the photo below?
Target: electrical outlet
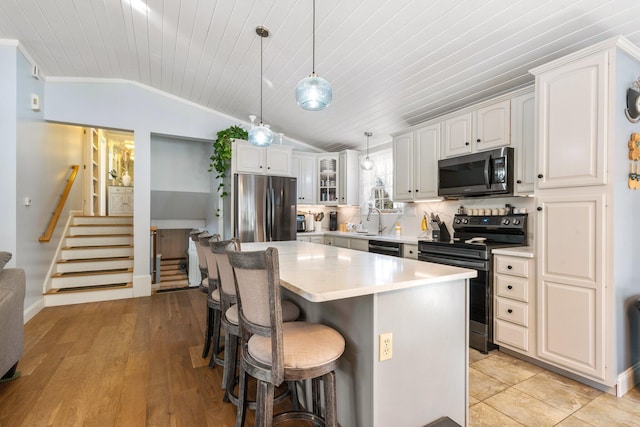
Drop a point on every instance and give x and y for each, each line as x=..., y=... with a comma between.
x=386, y=346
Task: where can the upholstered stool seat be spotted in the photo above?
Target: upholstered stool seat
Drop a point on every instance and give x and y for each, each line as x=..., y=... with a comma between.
x=306, y=346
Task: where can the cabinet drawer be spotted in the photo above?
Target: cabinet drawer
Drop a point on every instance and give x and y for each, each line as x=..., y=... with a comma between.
x=512, y=287
x=512, y=311
x=119, y=190
x=511, y=335
x=512, y=265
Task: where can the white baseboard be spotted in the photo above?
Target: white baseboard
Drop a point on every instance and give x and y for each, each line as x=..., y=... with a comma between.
x=627, y=380
x=33, y=309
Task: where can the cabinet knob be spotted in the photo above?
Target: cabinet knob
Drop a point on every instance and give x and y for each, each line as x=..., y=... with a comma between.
x=260, y=166
x=466, y=143
x=540, y=175
x=409, y=191
x=539, y=208
x=478, y=140
x=509, y=311
x=268, y=167
x=417, y=191
x=519, y=181
x=509, y=267
x=509, y=287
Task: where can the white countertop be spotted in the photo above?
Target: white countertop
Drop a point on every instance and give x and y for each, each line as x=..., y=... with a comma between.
x=519, y=251
x=403, y=238
x=324, y=273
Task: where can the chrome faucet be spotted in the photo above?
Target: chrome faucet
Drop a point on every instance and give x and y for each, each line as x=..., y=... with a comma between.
x=380, y=227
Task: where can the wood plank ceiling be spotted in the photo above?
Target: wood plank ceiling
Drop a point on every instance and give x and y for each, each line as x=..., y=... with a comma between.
x=391, y=63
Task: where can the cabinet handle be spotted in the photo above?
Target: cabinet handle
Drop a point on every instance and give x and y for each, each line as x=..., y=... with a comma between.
x=539, y=208
x=509, y=311
x=417, y=191
x=519, y=181
x=478, y=140
x=540, y=175
x=466, y=143
x=509, y=287
x=509, y=267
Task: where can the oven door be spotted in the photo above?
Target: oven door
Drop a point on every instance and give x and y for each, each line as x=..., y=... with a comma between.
x=480, y=299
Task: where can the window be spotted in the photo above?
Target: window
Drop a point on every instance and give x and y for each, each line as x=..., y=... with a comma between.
x=376, y=185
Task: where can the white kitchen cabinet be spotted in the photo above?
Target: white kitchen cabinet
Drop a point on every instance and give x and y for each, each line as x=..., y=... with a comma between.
x=523, y=139
x=573, y=103
x=272, y=160
x=456, y=135
x=571, y=271
x=485, y=128
x=514, y=303
x=349, y=177
x=359, y=244
x=415, y=156
x=328, y=178
x=120, y=201
x=304, y=168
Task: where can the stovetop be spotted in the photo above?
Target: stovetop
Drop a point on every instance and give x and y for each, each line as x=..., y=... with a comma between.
x=480, y=234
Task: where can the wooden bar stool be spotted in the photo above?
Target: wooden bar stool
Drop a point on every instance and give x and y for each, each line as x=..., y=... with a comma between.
x=230, y=316
x=212, y=329
x=278, y=351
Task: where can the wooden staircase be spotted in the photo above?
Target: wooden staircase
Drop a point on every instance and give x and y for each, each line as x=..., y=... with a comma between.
x=173, y=275
x=96, y=256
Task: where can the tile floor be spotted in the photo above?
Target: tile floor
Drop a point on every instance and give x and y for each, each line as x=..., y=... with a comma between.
x=505, y=391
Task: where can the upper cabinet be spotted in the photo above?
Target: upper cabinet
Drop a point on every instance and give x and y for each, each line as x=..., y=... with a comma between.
x=523, y=109
x=483, y=129
x=272, y=160
x=305, y=170
x=415, y=155
x=349, y=181
x=328, y=179
x=573, y=106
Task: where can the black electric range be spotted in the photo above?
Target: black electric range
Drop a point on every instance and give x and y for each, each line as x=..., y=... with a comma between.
x=474, y=239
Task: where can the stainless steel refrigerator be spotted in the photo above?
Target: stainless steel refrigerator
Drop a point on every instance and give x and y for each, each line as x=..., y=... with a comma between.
x=264, y=208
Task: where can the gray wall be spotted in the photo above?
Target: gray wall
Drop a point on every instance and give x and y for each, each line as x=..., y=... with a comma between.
x=626, y=233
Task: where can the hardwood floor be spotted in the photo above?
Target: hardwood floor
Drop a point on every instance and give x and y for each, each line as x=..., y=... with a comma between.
x=132, y=362
x=137, y=362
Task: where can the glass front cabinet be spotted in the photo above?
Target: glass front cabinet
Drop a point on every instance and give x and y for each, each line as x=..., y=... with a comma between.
x=328, y=179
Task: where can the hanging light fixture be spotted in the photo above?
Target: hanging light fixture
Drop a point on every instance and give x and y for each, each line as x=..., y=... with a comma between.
x=366, y=163
x=261, y=135
x=314, y=93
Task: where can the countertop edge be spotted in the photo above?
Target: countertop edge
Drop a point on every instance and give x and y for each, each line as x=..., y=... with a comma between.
x=521, y=252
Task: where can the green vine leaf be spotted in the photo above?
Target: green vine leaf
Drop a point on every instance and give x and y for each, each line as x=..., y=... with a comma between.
x=221, y=157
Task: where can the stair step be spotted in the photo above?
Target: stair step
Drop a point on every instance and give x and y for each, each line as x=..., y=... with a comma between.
x=93, y=264
x=89, y=288
x=100, y=240
x=94, y=278
x=84, y=220
x=100, y=229
x=92, y=252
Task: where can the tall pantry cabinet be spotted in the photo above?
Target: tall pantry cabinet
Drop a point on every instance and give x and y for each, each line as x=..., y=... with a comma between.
x=585, y=272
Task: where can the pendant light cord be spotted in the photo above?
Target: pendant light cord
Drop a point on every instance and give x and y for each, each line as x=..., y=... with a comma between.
x=313, y=42
x=261, y=37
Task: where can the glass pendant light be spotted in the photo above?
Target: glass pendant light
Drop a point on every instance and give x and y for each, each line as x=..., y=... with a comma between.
x=261, y=135
x=314, y=93
x=366, y=163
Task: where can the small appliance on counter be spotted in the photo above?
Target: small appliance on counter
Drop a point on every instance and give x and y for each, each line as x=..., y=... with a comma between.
x=300, y=223
x=333, y=221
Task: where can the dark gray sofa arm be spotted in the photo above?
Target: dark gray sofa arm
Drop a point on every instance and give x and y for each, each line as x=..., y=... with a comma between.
x=12, y=290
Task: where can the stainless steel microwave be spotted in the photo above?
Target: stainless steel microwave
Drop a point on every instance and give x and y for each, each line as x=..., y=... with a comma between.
x=483, y=174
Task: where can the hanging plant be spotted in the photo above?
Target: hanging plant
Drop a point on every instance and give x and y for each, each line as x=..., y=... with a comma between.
x=221, y=157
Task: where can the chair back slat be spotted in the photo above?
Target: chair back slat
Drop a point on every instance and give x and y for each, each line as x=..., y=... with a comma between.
x=201, y=250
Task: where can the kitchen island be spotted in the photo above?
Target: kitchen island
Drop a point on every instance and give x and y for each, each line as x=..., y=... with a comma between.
x=363, y=295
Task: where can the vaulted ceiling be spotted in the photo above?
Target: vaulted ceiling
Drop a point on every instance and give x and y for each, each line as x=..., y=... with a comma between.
x=391, y=63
